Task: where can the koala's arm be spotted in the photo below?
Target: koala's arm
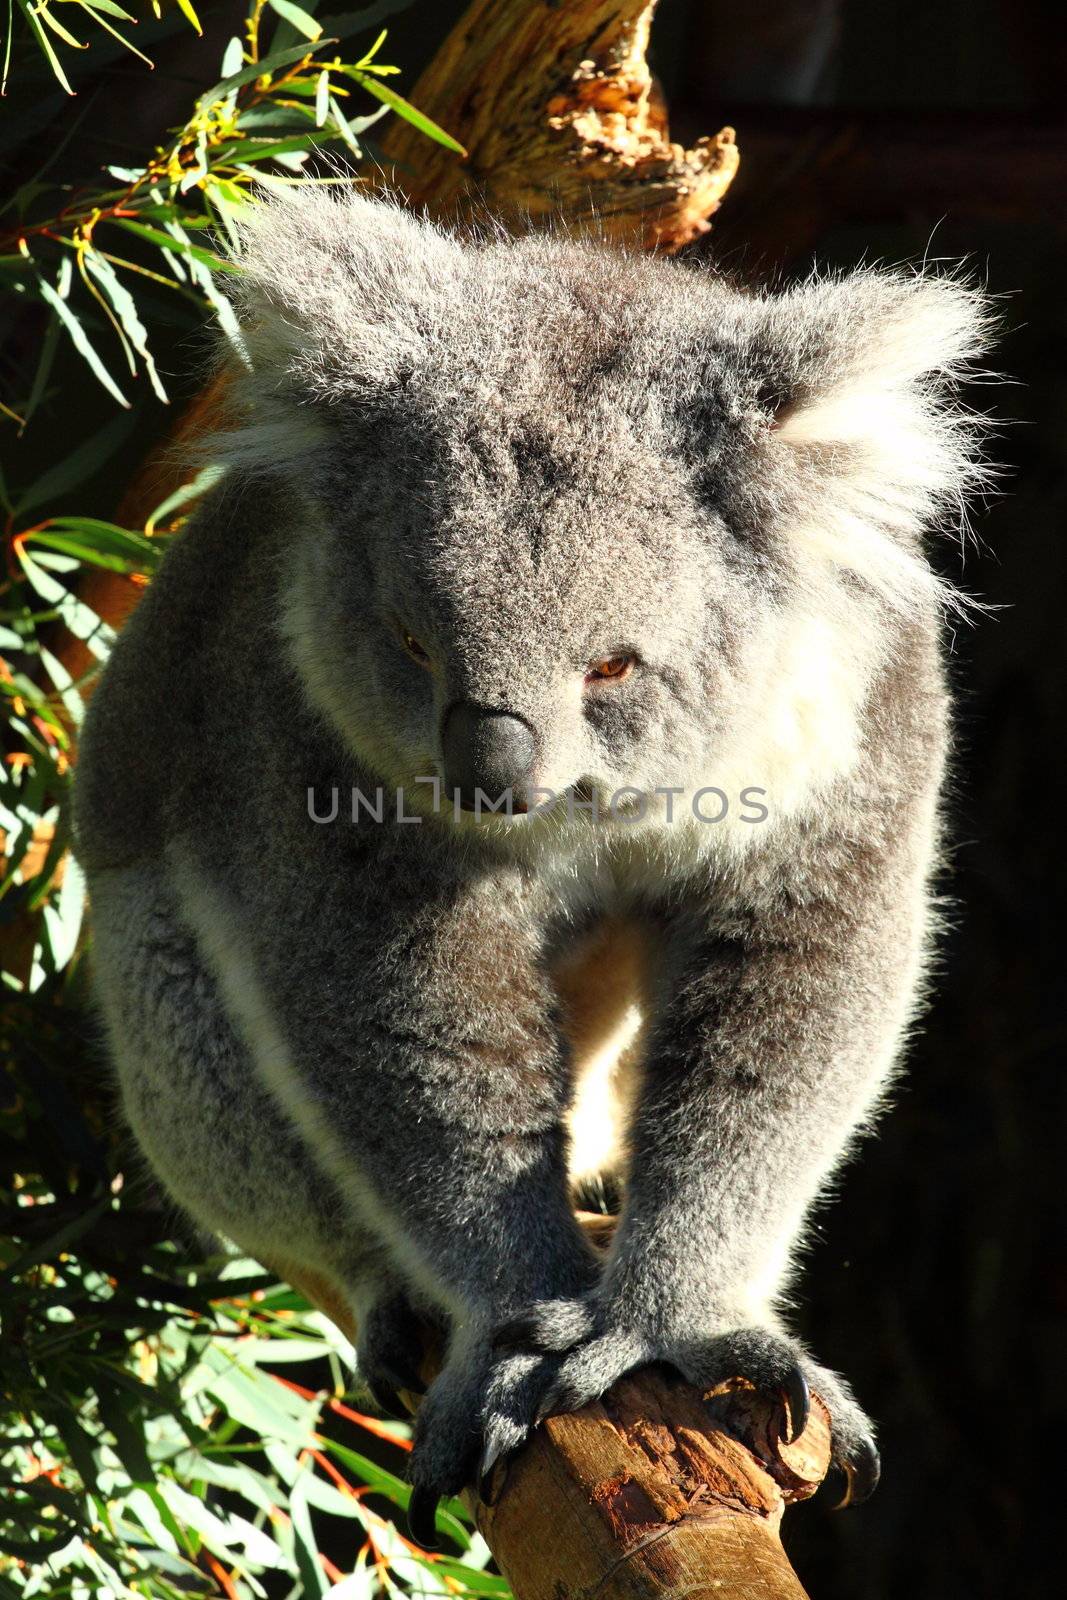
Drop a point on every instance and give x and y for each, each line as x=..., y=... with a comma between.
x=778, y=1008
x=402, y=1021
x=776, y=1031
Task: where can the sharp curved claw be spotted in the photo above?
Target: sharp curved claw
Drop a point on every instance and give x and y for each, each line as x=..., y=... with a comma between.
x=798, y=1396
x=861, y=1475
x=422, y=1518
x=490, y=1483
x=387, y=1400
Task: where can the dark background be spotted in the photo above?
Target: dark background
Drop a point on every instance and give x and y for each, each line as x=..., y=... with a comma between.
x=936, y=1280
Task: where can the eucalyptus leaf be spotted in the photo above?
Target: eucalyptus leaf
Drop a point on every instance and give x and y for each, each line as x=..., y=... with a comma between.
x=81, y=340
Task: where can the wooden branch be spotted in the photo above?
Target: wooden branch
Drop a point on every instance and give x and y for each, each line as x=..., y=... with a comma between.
x=560, y=118
x=655, y=1489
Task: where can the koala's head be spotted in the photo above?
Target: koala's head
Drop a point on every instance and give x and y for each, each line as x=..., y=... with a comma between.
x=578, y=520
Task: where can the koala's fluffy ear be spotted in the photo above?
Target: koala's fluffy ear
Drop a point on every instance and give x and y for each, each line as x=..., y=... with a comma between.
x=864, y=371
x=336, y=299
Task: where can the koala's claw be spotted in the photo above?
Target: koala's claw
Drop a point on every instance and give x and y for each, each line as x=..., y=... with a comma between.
x=578, y=1365
x=386, y=1398
x=863, y=1470
x=798, y=1397
x=422, y=1518
x=793, y=1385
x=490, y=1482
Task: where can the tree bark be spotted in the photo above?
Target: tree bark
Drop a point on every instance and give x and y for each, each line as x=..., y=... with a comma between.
x=561, y=119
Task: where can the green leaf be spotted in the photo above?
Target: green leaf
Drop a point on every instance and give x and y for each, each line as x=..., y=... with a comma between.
x=97, y=8
x=4, y=71
x=128, y=1433
x=263, y=1405
x=45, y=43
x=313, y=1579
x=223, y=309
x=109, y=7
x=81, y=341
x=76, y=467
x=368, y=1472
x=258, y=69
x=186, y=10
x=404, y=108
x=49, y=345
x=252, y=150
x=205, y=479
x=64, y=684
x=80, y=1445
x=58, y=29
x=168, y=241
x=125, y=309
x=473, y=1581
x=298, y=18
x=98, y=543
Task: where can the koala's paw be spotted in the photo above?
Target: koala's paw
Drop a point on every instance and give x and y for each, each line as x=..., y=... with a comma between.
x=774, y=1362
x=591, y=1350
x=390, y=1353
x=479, y=1412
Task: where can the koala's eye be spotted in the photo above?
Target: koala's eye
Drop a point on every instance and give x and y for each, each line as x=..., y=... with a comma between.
x=414, y=648
x=610, y=668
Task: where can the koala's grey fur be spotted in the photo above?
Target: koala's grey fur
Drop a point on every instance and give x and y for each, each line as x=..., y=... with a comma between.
x=371, y=1050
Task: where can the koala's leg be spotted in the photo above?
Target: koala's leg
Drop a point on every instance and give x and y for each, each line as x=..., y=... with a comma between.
x=774, y=1030
x=408, y=1031
x=214, y=1134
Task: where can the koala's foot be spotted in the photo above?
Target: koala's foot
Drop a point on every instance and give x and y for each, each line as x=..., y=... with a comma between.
x=480, y=1408
x=591, y=1350
x=390, y=1353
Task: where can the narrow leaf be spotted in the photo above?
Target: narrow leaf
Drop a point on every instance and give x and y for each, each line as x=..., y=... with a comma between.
x=404, y=108
x=125, y=308
x=81, y=341
x=186, y=10
x=167, y=241
x=45, y=43
x=298, y=18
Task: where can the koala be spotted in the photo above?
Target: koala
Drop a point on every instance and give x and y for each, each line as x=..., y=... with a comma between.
x=616, y=539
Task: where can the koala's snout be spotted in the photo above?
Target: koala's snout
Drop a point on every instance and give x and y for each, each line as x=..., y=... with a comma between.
x=493, y=751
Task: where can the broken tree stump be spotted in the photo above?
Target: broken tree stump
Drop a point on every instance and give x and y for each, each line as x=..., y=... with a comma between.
x=562, y=121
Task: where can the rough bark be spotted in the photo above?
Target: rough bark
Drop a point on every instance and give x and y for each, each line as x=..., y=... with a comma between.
x=560, y=118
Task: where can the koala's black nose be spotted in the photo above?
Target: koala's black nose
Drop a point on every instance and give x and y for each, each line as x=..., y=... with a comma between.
x=488, y=750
